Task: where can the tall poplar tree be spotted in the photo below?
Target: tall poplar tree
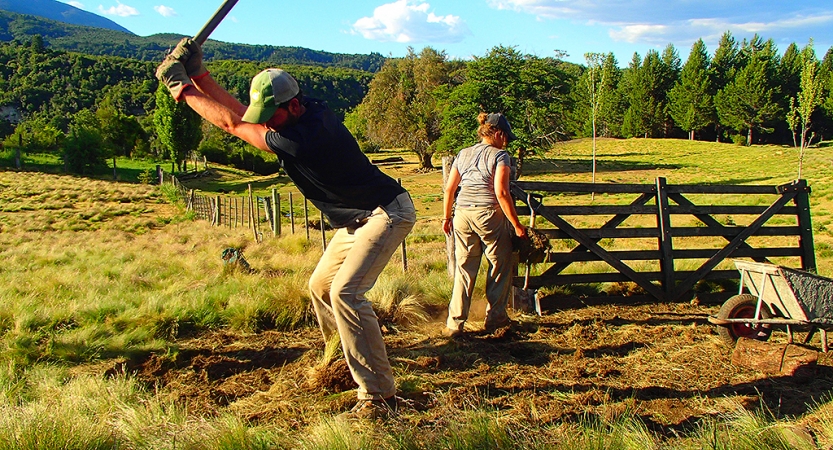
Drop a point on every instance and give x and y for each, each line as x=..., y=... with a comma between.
x=690, y=99
x=809, y=98
x=177, y=126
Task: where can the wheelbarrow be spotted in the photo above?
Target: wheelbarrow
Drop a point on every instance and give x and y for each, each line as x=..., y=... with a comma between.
x=776, y=296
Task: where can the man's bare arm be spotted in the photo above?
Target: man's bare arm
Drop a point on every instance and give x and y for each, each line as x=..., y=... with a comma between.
x=209, y=87
x=227, y=119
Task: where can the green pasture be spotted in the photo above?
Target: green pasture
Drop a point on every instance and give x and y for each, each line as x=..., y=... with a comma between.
x=95, y=269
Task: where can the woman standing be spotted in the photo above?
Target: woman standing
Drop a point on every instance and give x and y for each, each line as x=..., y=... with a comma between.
x=483, y=218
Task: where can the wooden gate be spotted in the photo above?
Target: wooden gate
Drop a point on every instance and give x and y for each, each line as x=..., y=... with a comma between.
x=674, y=244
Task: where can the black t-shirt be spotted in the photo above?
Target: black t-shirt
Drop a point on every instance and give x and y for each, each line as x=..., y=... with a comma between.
x=323, y=159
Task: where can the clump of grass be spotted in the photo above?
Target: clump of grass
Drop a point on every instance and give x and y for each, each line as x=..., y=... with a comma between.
x=624, y=431
x=750, y=430
x=478, y=430
x=394, y=300
x=274, y=304
x=336, y=434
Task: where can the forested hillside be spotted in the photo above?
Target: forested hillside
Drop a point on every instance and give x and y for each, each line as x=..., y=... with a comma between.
x=52, y=84
x=100, y=41
x=48, y=95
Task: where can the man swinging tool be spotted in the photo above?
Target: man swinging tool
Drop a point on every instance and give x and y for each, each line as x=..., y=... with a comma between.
x=371, y=211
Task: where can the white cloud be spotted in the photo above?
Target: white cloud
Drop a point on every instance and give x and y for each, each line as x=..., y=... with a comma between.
x=658, y=22
x=408, y=21
x=78, y=5
x=165, y=11
x=121, y=10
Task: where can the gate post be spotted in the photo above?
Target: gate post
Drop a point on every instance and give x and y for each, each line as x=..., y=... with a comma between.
x=805, y=225
x=666, y=259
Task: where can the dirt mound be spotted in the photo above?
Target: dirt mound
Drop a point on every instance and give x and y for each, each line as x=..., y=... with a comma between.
x=664, y=362
x=331, y=377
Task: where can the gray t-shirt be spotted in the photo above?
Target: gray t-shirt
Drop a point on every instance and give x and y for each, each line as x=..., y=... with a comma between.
x=477, y=166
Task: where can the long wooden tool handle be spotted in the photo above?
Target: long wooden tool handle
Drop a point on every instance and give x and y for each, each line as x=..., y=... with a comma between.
x=215, y=20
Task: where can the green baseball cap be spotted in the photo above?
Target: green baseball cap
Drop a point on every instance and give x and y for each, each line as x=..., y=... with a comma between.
x=269, y=89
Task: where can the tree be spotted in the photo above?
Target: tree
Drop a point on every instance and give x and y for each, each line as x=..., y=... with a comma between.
x=401, y=108
x=635, y=121
x=177, y=126
x=749, y=101
x=809, y=97
x=35, y=135
x=84, y=149
x=596, y=85
x=789, y=72
x=690, y=99
x=121, y=132
x=724, y=64
x=609, y=111
x=611, y=106
x=668, y=77
x=532, y=92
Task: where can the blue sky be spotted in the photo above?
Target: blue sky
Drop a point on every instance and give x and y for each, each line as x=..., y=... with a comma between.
x=465, y=28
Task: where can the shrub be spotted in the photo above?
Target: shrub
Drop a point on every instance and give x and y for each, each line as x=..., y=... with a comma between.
x=739, y=139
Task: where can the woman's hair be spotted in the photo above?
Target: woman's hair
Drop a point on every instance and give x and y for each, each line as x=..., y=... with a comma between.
x=486, y=129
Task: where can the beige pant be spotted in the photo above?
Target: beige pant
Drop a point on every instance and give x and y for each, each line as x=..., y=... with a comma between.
x=477, y=232
x=349, y=268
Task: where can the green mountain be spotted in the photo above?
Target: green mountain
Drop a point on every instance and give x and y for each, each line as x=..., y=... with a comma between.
x=54, y=10
x=101, y=41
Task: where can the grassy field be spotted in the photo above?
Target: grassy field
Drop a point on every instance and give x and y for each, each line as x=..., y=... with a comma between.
x=121, y=328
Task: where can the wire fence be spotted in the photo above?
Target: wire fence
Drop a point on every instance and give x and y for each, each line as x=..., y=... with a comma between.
x=263, y=216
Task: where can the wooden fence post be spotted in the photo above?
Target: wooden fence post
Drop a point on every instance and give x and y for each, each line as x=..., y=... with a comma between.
x=323, y=233
x=666, y=251
x=267, y=211
x=276, y=213
x=217, y=212
x=306, y=217
x=291, y=215
x=160, y=175
x=805, y=240
x=256, y=211
x=251, y=214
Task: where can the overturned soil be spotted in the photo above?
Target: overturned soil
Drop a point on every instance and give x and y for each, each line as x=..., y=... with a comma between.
x=663, y=362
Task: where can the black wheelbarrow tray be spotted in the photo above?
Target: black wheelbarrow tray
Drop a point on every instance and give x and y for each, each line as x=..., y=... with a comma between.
x=772, y=295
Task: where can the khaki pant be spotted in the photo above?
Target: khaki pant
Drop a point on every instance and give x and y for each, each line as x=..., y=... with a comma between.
x=349, y=268
x=481, y=231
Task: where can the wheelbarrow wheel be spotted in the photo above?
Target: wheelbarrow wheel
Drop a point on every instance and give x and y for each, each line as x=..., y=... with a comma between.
x=743, y=306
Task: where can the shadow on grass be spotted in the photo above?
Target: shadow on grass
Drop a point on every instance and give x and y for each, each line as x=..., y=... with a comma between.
x=535, y=166
x=127, y=170
x=214, y=182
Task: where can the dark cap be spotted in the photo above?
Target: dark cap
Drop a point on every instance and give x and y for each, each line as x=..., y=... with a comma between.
x=499, y=120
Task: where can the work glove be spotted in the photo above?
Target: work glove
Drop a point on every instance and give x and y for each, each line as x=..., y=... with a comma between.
x=172, y=74
x=189, y=53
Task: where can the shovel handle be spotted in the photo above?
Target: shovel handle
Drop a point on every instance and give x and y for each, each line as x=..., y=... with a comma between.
x=215, y=20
